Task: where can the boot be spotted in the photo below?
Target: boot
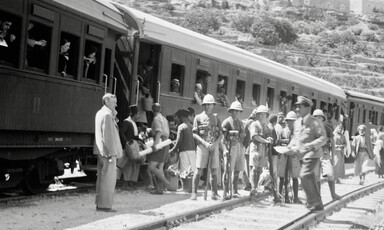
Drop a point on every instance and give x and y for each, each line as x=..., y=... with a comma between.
x=332, y=190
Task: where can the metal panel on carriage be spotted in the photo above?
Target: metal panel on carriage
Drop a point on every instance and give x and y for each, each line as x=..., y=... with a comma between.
x=45, y=111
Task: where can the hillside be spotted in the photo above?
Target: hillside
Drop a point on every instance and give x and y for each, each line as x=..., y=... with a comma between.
x=345, y=50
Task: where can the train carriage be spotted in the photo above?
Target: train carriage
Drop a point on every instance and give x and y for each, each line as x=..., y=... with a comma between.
x=364, y=109
x=47, y=112
x=189, y=58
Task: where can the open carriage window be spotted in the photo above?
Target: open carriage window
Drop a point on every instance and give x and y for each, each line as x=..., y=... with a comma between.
x=38, y=45
x=9, y=39
x=177, y=78
x=256, y=95
x=284, y=99
x=293, y=101
x=221, y=92
x=91, y=60
x=201, y=86
x=270, y=96
x=240, y=91
x=68, y=55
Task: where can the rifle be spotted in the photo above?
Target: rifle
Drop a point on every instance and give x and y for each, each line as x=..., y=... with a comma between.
x=275, y=192
x=208, y=172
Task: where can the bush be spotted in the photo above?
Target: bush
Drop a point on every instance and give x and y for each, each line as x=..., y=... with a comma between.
x=369, y=36
x=301, y=27
x=285, y=30
x=242, y=22
x=201, y=21
x=265, y=33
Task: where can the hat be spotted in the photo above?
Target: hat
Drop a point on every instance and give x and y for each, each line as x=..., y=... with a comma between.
x=235, y=106
x=262, y=109
x=221, y=82
x=319, y=112
x=280, y=114
x=301, y=100
x=361, y=127
x=208, y=99
x=182, y=113
x=291, y=116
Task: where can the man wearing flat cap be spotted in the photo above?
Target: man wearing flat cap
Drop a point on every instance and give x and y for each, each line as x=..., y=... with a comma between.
x=309, y=137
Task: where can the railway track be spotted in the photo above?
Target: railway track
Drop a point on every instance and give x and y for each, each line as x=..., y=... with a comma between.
x=260, y=213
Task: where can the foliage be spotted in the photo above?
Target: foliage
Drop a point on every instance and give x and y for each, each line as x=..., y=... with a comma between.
x=271, y=31
x=201, y=21
x=242, y=22
x=265, y=33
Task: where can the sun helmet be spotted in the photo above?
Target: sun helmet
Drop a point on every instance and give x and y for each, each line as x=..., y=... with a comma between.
x=262, y=109
x=236, y=106
x=291, y=116
x=208, y=99
x=319, y=112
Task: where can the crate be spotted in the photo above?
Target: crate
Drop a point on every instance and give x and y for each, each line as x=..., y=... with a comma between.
x=174, y=183
x=187, y=184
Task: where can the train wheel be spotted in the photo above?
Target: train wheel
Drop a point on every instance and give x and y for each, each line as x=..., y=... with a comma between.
x=32, y=184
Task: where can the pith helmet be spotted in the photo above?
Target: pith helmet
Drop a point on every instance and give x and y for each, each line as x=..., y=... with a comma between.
x=319, y=112
x=262, y=109
x=236, y=106
x=291, y=116
x=208, y=99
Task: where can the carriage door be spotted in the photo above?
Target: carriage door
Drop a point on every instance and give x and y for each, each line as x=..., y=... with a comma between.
x=123, y=72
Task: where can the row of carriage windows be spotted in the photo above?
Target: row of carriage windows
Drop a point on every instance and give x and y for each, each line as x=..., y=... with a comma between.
x=38, y=53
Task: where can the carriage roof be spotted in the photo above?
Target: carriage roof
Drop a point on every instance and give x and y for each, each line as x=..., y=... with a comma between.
x=163, y=32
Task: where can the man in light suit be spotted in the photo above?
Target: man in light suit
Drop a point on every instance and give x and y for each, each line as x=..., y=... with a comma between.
x=107, y=148
x=309, y=137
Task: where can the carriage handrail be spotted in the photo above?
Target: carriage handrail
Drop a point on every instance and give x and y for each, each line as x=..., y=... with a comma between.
x=106, y=83
x=114, y=88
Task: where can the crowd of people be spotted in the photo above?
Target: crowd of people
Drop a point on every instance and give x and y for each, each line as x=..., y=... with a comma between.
x=297, y=145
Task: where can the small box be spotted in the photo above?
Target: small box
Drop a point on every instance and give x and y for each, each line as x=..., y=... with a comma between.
x=187, y=184
x=174, y=183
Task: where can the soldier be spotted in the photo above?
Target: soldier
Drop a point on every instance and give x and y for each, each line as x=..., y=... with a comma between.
x=233, y=131
x=289, y=165
x=327, y=160
x=207, y=133
x=257, y=150
x=309, y=137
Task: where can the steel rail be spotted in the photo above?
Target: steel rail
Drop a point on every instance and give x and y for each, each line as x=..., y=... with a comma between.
x=304, y=222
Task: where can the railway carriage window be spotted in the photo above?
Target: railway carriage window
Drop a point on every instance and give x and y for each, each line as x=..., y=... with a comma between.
x=91, y=64
x=221, y=93
x=364, y=112
x=38, y=45
x=240, y=90
x=256, y=94
x=177, y=78
x=107, y=62
x=284, y=99
x=323, y=105
x=68, y=58
x=9, y=38
x=314, y=101
x=382, y=119
x=203, y=77
x=294, y=100
x=270, y=97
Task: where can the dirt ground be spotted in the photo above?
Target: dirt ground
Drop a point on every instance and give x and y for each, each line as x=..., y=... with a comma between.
x=73, y=210
x=77, y=211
